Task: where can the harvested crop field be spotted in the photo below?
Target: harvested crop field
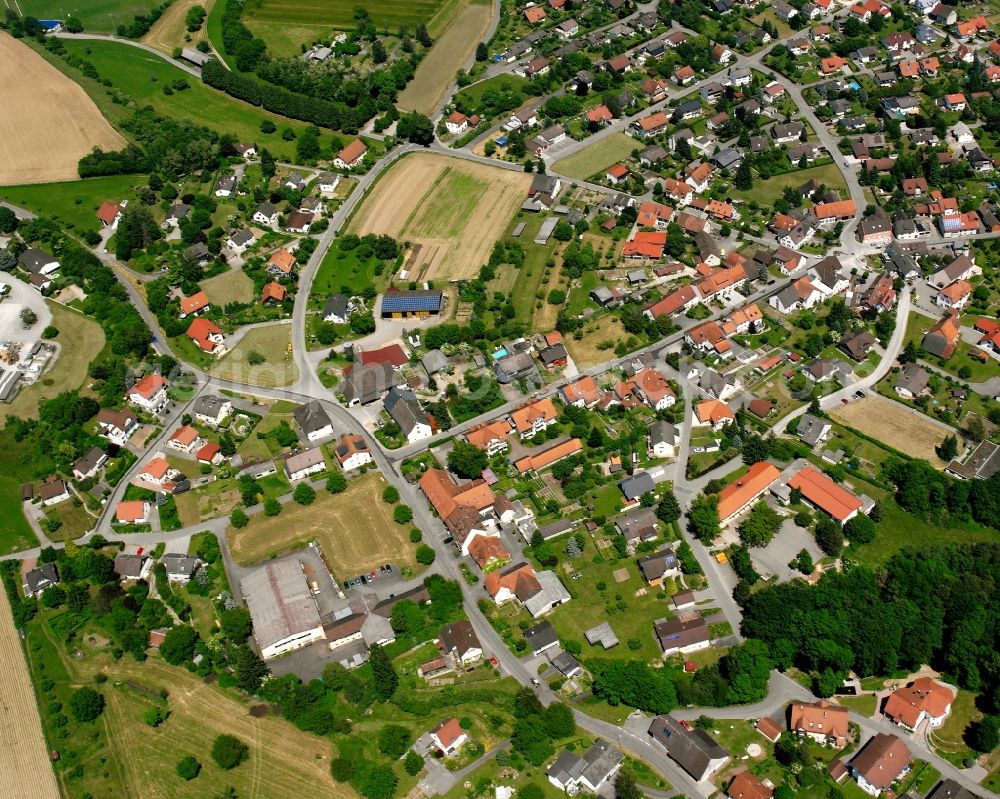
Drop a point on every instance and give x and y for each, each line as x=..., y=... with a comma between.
x=170, y=29
x=355, y=530
x=455, y=210
x=24, y=761
x=899, y=427
x=450, y=52
x=56, y=123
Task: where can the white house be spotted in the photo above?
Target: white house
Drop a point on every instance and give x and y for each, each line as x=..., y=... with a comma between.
x=266, y=214
x=149, y=393
x=449, y=736
x=663, y=440
x=796, y=296
x=404, y=409
x=304, y=464
x=211, y=409
x=352, y=452
x=570, y=772
x=117, y=426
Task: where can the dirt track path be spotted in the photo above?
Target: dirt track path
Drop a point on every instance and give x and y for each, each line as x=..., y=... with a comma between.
x=168, y=31
x=24, y=763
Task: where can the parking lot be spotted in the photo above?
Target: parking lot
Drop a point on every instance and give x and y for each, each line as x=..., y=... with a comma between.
x=21, y=296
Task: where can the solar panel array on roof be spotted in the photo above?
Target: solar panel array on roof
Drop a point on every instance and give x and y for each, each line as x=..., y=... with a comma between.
x=403, y=301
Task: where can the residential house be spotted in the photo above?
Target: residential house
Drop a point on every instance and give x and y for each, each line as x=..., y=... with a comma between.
x=313, y=420
x=954, y=295
x=352, y=452
x=663, y=440
x=922, y=700
x=180, y=568
x=53, y=491
x=365, y=384
x=659, y=566
x=912, y=381
x=821, y=721
x=225, y=186
x=713, y=413
x=583, y=392
x=796, y=296
x=459, y=641
x=273, y=293
x=40, y=578
x=882, y=761
x=942, y=339
x=211, y=409
x=306, y=463
x=694, y=750
x=207, y=336
x=266, y=214
x=185, y=439
x=813, y=430
x=857, y=345
x=149, y=393
x=352, y=155
x=742, y=493
x=403, y=408
x=90, y=463
x=337, y=309
x=592, y=771
x=116, y=426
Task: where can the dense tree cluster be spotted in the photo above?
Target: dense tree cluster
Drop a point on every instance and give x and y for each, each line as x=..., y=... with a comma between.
x=536, y=727
x=925, y=492
x=937, y=606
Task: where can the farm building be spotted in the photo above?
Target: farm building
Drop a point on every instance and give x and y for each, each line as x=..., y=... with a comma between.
x=407, y=304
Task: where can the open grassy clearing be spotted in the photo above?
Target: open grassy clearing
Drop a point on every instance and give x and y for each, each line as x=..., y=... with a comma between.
x=170, y=30
x=97, y=16
x=450, y=52
x=340, y=13
x=949, y=739
x=76, y=520
x=591, y=349
x=142, y=76
x=274, y=344
x=79, y=339
x=905, y=430
x=355, y=530
x=216, y=499
x=765, y=192
x=231, y=286
x=472, y=96
x=24, y=761
x=455, y=210
x=76, y=202
x=596, y=157
x=56, y=124
x=285, y=41
x=15, y=532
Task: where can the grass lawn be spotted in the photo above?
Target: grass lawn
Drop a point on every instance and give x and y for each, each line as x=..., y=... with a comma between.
x=76, y=521
x=948, y=739
x=342, y=270
x=80, y=340
x=97, y=16
x=765, y=192
x=864, y=704
x=231, y=286
x=898, y=530
x=75, y=202
x=630, y=616
x=596, y=157
x=784, y=30
x=470, y=98
x=531, y=275
x=218, y=498
x=143, y=75
x=355, y=530
x=591, y=348
x=274, y=344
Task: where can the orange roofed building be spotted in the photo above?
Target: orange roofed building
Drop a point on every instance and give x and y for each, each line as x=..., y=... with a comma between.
x=739, y=495
x=820, y=721
x=713, y=412
x=453, y=503
x=490, y=436
x=533, y=417
x=583, y=393
x=922, y=699
x=821, y=492
x=540, y=460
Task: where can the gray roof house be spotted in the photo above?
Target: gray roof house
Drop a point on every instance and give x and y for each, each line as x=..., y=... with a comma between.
x=365, y=384
x=435, y=361
x=515, y=366
x=541, y=637
x=594, y=769
x=313, y=420
x=637, y=485
x=40, y=578
x=638, y=524
x=336, y=309
x=180, y=568
x=402, y=406
x=813, y=430
x=129, y=566
x=694, y=750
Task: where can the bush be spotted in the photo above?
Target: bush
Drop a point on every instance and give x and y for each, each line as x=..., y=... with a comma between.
x=304, y=494
x=178, y=644
x=336, y=483
x=155, y=716
x=239, y=519
x=425, y=555
x=272, y=507
x=390, y=494
x=412, y=763
x=188, y=768
x=50, y=332
x=402, y=514
x=416, y=536
x=342, y=769
x=228, y=751
x=86, y=704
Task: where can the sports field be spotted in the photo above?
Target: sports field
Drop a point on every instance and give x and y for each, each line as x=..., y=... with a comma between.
x=454, y=210
x=142, y=76
x=79, y=339
x=450, y=52
x=340, y=13
x=355, y=530
x=272, y=343
x=901, y=428
x=50, y=122
x=231, y=286
x=596, y=157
